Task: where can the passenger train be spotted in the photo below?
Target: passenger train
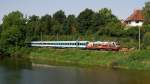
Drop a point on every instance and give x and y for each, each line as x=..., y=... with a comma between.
x=98, y=45
x=60, y=44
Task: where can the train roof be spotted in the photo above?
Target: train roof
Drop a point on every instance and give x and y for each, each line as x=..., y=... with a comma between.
x=59, y=41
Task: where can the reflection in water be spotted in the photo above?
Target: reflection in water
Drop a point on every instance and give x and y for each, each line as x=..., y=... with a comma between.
x=22, y=72
x=11, y=69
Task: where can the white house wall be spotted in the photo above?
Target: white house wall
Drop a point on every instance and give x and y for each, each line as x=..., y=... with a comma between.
x=134, y=24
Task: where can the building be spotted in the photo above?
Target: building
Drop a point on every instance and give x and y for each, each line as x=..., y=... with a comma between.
x=135, y=19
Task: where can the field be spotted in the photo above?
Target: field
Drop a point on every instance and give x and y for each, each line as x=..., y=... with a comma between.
x=89, y=58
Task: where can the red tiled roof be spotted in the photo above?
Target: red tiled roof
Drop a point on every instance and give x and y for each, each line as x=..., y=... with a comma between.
x=136, y=16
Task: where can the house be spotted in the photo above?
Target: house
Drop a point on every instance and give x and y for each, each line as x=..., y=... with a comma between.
x=135, y=19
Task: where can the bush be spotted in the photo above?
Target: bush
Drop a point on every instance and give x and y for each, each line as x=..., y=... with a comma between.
x=146, y=39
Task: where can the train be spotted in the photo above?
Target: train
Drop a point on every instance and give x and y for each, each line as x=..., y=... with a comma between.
x=107, y=46
x=96, y=45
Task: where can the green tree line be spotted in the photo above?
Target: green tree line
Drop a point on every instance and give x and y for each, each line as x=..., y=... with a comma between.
x=17, y=30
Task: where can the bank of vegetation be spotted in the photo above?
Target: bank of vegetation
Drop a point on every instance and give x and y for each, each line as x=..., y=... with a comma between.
x=89, y=58
x=17, y=30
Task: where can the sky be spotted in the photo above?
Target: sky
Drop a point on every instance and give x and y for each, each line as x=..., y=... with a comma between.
x=121, y=8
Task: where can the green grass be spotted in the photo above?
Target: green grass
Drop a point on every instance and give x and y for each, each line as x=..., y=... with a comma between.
x=128, y=60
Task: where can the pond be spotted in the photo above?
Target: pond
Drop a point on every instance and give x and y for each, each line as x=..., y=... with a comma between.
x=26, y=72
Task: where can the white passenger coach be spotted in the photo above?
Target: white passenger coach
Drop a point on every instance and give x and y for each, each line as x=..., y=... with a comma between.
x=60, y=44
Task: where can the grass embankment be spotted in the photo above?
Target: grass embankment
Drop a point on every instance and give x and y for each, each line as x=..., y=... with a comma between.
x=128, y=60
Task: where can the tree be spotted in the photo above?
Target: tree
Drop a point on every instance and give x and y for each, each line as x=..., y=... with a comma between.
x=97, y=23
x=105, y=23
x=85, y=20
x=60, y=16
x=0, y=28
x=112, y=29
x=45, y=24
x=146, y=12
x=107, y=16
x=57, y=28
x=71, y=25
x=11, y=37
x=12, y=34
x=133, y=32
x=14, y=18
x=33, y=25
x=146, y=40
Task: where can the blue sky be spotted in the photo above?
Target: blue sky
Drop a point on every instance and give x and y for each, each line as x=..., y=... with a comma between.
x=121, y=8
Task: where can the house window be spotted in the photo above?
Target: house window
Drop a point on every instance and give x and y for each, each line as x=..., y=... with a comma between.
x=129, y=22
x=137, y=21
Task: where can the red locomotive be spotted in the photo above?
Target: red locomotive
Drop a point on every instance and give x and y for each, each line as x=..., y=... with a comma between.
x=109, y=46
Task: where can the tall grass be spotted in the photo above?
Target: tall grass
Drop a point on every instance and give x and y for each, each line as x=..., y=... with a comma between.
x=129, y=60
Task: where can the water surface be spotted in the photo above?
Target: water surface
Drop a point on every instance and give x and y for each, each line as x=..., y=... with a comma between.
x=24, y=72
